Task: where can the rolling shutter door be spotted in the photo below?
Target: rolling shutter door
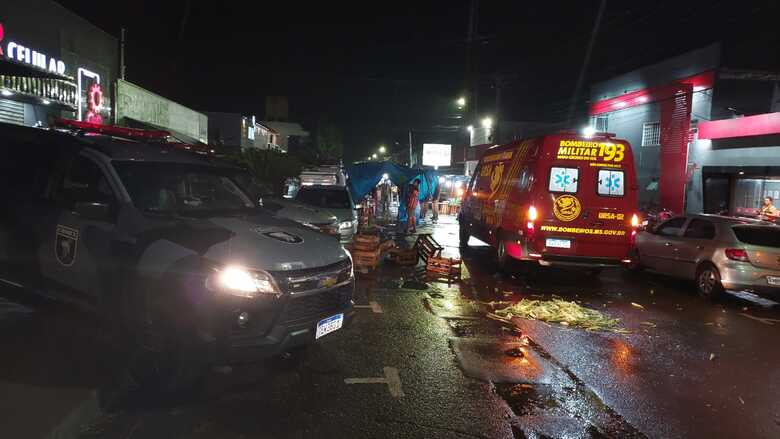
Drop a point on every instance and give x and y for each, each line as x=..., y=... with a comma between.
x=11, y=112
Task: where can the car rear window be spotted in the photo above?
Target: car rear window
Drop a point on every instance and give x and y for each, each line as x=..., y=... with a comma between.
x=767, y=236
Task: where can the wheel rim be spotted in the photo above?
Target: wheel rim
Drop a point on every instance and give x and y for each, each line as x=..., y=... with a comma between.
x=707, y=281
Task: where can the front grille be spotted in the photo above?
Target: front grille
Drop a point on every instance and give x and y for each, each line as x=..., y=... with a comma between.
x=316, y=305
x=297, y=281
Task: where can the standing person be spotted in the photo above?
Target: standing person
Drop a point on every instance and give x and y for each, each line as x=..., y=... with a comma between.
x=435, y=202
x=768, y=211
x=412, y=199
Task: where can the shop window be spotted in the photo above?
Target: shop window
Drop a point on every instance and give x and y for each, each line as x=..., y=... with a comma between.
x=749, y=193
x=600, y=123
x=651, y=134
x=564, y=180
x=611, y=183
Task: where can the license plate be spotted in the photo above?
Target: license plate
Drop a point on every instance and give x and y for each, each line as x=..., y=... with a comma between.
x=326, y=326
x=558, y=243
x=773, y=280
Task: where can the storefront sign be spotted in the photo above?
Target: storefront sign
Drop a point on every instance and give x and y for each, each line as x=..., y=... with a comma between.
x=435, y=154
x=21, y=53
x=136, y=103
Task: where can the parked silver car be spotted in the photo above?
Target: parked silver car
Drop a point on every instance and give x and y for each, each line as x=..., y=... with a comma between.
x=719, y=253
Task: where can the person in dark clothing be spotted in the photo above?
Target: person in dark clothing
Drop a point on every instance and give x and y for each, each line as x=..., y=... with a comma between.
x=435, y=202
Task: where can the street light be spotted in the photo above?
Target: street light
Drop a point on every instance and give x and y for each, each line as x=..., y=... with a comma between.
x=487, y=123
x=382, y=149
x=373, y=156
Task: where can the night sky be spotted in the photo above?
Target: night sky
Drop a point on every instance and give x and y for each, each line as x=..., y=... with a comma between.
x=377, y=69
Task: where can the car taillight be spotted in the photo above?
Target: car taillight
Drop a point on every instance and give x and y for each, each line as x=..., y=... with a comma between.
x=737, y=254
x=635, y=220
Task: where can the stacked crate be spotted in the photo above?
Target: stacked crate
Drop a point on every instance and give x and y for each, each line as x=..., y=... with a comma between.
x=439, y=268
x=403, y=256
x=366, y=252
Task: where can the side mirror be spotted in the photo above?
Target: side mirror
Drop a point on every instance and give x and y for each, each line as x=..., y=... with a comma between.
x=94, y=211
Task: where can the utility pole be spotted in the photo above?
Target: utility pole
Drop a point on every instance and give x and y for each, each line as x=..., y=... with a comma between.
x=585, y=62
x=410, y=148
x=472, y=86
x=122, y=40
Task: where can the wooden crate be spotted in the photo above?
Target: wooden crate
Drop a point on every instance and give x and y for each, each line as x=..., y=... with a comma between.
x=387, y=245
x=366, y=259
x=427, y=247
x=402, y=256
x=365, y=242
x=443, y=268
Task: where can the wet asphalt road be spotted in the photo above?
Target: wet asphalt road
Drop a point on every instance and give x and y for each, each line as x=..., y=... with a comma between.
x=657, y=380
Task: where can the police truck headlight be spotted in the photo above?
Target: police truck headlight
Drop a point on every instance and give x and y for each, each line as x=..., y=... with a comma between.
x=241, y=282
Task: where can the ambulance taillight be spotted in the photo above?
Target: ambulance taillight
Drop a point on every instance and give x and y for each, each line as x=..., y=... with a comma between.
x=532, y=216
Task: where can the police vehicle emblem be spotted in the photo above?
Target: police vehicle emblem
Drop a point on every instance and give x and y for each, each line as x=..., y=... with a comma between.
x=65, y=245
x=287, y=238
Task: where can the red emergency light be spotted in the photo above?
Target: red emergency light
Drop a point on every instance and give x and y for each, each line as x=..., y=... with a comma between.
x=112, y=130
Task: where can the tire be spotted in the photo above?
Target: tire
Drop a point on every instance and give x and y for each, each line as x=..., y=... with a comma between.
x=503, y=260
x=708, y=283
x=636, y=265
x=463, y=235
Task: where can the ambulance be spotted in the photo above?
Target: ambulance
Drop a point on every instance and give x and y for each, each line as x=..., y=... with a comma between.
x=562, y=199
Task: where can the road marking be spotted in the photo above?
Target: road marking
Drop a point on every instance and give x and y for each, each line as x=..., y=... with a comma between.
x=391, y=378
x=764, y=320
x=371, y=305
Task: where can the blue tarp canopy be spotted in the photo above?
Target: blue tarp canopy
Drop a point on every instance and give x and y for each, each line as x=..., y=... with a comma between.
x=363, y=178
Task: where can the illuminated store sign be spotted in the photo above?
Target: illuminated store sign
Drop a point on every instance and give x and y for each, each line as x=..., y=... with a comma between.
x=23, y=54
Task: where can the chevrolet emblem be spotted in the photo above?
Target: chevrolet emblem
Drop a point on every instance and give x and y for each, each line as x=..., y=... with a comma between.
x=326, y=282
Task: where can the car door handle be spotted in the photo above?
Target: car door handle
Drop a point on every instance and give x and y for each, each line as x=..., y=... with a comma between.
x=668, y=244
x=699, y=247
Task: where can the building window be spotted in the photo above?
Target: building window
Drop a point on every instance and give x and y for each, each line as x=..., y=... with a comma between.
x=599, y=123
x=651, y=134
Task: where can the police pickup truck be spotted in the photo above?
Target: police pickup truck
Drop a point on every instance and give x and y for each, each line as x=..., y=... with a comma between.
x=162, y=240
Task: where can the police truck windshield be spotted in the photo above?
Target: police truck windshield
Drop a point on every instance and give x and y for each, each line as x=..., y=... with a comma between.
x=322, y=197
x=180, y=189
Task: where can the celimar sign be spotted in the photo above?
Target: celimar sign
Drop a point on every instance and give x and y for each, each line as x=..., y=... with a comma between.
x=19, y=52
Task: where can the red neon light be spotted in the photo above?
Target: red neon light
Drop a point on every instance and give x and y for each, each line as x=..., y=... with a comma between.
x=758, y=125
x=111, y=130
x=95, y=104
x=698, y=82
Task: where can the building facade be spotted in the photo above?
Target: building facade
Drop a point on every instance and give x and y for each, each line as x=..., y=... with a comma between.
x=232, y=132
x=53, y=64
x=705, y=134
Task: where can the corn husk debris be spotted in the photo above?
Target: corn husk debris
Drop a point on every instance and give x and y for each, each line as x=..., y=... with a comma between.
x=563, y=312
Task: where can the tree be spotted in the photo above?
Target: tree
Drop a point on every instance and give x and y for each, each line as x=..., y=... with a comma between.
x=329, y=143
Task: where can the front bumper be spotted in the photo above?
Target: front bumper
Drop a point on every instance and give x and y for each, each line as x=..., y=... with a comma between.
x=274, y=328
